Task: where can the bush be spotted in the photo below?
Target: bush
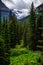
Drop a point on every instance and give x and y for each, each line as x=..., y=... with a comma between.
x=25, y=59
x=16, y=52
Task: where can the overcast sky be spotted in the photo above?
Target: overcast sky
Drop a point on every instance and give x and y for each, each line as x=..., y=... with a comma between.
x=21, y=4
x=21, y=7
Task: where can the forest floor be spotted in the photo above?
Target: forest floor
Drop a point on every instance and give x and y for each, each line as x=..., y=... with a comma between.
x=23, y=56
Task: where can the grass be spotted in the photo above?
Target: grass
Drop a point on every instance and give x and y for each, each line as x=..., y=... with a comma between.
x=23, y=57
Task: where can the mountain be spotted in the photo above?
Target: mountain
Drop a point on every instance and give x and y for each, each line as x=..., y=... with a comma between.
x=24, y=13
x=40, y=8
x=21, y=13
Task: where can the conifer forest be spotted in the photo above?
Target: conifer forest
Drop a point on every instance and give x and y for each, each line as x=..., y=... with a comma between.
x=21, y=41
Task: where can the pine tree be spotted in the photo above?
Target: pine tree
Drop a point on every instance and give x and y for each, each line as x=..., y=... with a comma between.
x=13, y=30
x=2, y=51
x=32, y=26
x=0, y=22
x=5, y=46
x=18, y=32
x=25, y=34
x=6, y=41
x=39, y=30
x=38, y=25
x=25, y=39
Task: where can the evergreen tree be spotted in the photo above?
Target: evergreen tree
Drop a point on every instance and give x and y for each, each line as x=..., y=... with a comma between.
x=32, y=26
x=2, y=51
x=25, y=33
x=0, y=22
x=13, y=30
x=18, y=32
x=25, y=39
x=21, y=30
x=39, y=30
x=38, y=25
x=6, y=41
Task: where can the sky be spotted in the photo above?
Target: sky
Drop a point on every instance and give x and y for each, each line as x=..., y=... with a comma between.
x=21, y=5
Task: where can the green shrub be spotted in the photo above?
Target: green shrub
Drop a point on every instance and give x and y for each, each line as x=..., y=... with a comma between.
x=16, y=52
x=28, y=58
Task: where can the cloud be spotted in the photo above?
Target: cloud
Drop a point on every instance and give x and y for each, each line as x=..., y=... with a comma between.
x=8, y=3
x=21, y=7
x=21, y=4
x=41, y=1
x=36, y=2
